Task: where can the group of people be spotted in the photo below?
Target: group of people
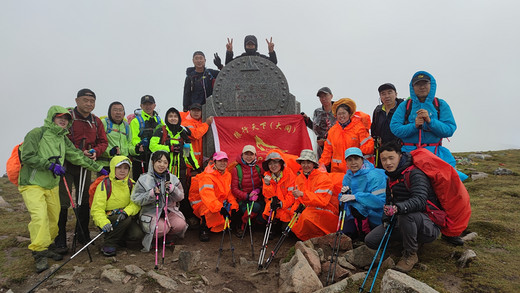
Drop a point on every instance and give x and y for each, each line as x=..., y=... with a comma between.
x=156, y=182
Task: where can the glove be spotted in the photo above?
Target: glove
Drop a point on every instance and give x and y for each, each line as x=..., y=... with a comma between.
x=217, y=61
x=137, y=147
x=224, y=212
x=253, y=196
x=113, y=151
x=390, y=210
x=107, y=228
x=57, y=169
x=275, y=203
x=267, y=179
x=347, y=197
x=122, y=216
x=102, y=172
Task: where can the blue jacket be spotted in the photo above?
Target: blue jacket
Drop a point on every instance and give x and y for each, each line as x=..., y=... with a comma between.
x=441, y=125
x=369, y=186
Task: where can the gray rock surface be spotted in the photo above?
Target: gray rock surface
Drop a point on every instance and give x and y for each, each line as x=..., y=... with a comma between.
x=189, y=260
x=164, y=281
x=470, y=237
x=502, y=171
x=134, y=270
x=479, y=156
x=311, y=255
x=397, y=282
x=479, y=175
x=298, y=276
x=342, y=285
x=114, y=276
x=361, y=256
x=466, y=258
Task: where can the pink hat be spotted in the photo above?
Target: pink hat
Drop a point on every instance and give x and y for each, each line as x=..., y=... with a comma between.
x=219, y=156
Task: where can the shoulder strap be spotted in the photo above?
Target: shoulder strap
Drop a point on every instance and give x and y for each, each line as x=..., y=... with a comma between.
x=240, y=175
x=406, y=174
x=259, y=172
x=164, y=134
x=408, y=110
x=437, y=106
x=107, y=184
x=110, y=125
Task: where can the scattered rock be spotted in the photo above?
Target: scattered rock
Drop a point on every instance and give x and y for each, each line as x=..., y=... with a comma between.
x=342, y=261
x=205, y=280
x=177, y=250
x=165, y=282
x=188, y=260
x=361, y=256
x=478, y=175
x=139, y=289
x=463, y=161
x=394, y=281
x=470, y=237
x=227, y=290
x=114, y=276
x=3, y=203
x=388, y=263
x=21, y=239
x=309, y=243
x=342, y=285
x=262, y=272
x=479, y=156
x=298, y=276
x=311, y=255
x=465, y=259
x=502, y=171
x=339, y=274
x=127, y=279
x=245, y=262
x=3, y=237
x=134, y=270
x=321, y=254
x=328, y=241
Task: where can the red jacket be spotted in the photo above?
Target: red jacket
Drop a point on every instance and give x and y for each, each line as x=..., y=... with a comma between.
x=250, y=180
x=87, y=132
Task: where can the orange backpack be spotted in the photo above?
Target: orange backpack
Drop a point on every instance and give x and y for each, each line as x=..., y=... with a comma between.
x=14, y=164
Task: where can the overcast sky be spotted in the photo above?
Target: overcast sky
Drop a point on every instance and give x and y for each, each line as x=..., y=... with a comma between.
x=123, y=50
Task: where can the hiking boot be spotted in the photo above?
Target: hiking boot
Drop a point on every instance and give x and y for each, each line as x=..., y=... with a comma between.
x=51, y=254
x=407, y=262
x=455, y=240
x=108, y=251
x=40, y=261
x=59, y=249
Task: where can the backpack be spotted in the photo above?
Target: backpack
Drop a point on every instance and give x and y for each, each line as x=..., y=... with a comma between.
x=449, y=189
x=241, y=175
x=110, y=127
x=14, y=163
x=107, y=184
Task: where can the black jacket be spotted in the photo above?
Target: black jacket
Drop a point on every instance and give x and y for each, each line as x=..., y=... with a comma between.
x=198, y=86
x=413, y=199
x=381, y=123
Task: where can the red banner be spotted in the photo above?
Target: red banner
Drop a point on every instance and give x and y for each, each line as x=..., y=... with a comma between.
x=285, y=132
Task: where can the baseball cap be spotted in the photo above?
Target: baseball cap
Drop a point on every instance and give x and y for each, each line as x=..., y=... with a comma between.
x=324, y=90
x=196, y=106
x=353, y=152
x=86, y=92
x=147, y=99
x=386, y=86
x=198, y=53
x=219, y=156
x=420, y=77
x=249, y=148
x=124, y=162
x=64, y=115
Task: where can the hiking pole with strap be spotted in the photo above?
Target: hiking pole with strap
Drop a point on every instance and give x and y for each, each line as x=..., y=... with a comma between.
x=73, y=256
x=285, y=233
x=156, y=229
x=166, y=220
x=81, y=188
x=249, y=210
x=227, y=206
x=266, y=238
x=337, y=242
x=386, y=237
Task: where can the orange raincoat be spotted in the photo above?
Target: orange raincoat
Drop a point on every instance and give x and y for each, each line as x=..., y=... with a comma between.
x=283, y=190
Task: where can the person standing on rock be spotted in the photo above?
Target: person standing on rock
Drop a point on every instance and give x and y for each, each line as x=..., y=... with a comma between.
x=43, y=153
x=251, y=48
x=406, y=205
x=152, y=191
x=314, y=190
x=112, y=210
x=198, y=85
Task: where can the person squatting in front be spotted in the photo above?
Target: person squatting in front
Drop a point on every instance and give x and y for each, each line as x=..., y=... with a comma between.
x=363, y=195
x=112, y=210
x=43, y=153
x=314, y=190
x=246, y=186
x=214, y=191
x=278, y=185
x=405, y=206
x=159, y=187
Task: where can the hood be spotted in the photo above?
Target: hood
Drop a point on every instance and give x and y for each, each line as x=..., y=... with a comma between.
x=433, y=88
x=250, y=38
x=110, y=109
x=174, y=128
x=115, y=160
x=53, y=111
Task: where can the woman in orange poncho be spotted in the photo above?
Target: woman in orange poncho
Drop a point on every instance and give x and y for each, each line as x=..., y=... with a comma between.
x=314, y=190
x=349, y=131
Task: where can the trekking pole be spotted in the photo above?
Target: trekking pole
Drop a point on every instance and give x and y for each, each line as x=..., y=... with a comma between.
x=166, y=221
x=74, y=209
x=156, y=229
x=81, y=188
x=295, y=217
x=73, y=256
x=249, y=210
x=266, y=238
x=226, y=226
x=231, y=241
x=337, y=242
x=385, y=239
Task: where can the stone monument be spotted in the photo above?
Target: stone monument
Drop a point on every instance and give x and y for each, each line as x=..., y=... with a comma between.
x=248, y=86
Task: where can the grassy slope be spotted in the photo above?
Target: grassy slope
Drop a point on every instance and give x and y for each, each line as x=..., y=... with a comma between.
x=494, y=200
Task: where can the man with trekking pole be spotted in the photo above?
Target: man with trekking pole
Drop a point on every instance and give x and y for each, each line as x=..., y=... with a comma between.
x=88, y=135
x=407, y=206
